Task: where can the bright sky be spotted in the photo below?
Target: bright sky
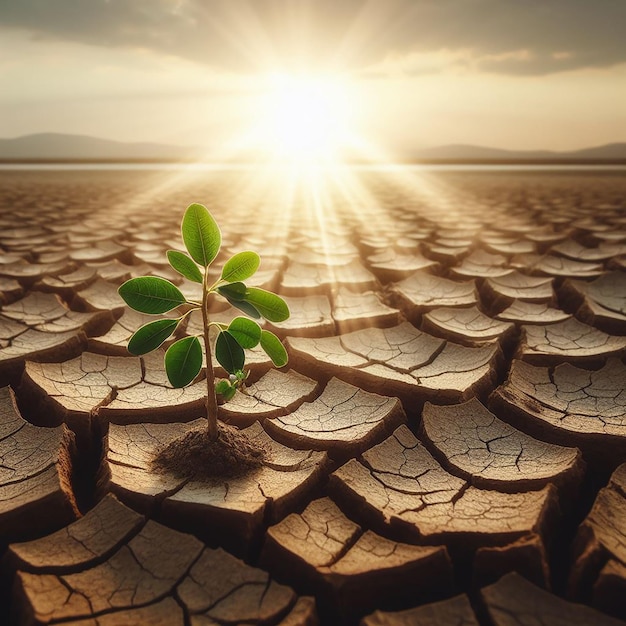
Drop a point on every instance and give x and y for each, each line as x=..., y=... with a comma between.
x=395, y=74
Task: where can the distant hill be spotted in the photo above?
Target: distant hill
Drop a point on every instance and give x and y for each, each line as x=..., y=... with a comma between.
x=62, y=147
x=57, y=146
x=610, y=151
x=461, y=152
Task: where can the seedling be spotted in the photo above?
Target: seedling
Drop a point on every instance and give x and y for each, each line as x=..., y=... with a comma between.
x=183, y=359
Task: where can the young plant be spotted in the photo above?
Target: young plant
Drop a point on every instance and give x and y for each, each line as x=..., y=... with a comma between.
x=183, y=359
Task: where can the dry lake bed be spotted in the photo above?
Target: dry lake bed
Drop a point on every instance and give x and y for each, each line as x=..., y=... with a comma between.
x=447, y=444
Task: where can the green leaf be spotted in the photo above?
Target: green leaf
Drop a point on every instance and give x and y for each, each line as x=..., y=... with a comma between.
x=245, y=331
x=229, y=393
x=222, y=387
x=272, y=307
x=234, y=291
x=229, y=353
x=151, y=335
x=183, y=361
x=201, y=234
x=241, y=266
x=151, y=294
x=274, y=348
x=184, y=265
x=246, y=307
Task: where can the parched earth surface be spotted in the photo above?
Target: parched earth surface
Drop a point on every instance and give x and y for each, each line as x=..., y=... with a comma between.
x=446, y=446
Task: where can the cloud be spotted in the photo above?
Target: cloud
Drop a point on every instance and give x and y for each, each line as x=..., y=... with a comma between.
x=505, y=36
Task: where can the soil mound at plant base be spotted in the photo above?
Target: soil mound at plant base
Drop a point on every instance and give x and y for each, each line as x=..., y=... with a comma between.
x=195, y=455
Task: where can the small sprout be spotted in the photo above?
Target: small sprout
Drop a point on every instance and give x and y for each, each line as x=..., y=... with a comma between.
x=236, y=381
x=183, y=359
x=225, y=389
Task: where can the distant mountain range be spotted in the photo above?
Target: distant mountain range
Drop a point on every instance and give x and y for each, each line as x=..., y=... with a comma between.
x=62, y=147
x=57, y=146
x=462, y=152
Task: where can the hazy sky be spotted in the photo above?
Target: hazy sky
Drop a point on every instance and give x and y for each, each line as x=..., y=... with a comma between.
x=503, y=73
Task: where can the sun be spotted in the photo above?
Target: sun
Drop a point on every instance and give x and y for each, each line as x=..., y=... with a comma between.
x=305, y=118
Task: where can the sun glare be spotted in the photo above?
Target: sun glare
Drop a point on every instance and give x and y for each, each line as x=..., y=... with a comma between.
x=305, y=119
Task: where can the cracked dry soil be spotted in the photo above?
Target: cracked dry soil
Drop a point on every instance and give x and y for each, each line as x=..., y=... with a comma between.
x=447, y=444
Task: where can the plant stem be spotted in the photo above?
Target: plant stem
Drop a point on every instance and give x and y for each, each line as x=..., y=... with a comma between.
x=211, y=399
